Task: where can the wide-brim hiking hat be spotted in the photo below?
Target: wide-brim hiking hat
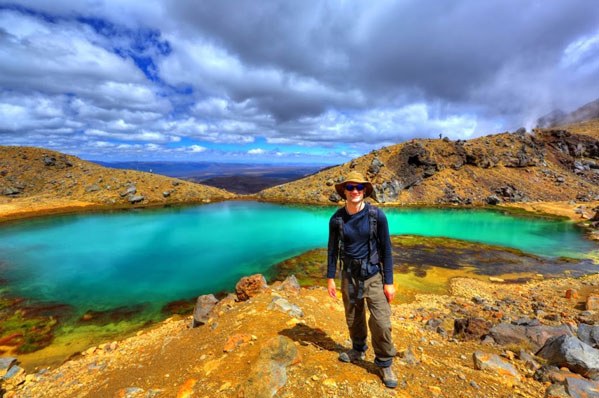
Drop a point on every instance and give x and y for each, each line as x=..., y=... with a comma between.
x=356, y=177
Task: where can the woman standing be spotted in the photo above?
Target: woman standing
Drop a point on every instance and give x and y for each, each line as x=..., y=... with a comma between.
x=359, y=240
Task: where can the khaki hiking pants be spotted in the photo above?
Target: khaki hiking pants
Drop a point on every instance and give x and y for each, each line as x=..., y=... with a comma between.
x=379, y=321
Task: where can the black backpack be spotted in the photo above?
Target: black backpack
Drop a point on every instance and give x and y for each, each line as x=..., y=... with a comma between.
x=373, y=251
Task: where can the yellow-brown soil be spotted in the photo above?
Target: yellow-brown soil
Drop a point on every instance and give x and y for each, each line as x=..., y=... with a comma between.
x=74, y=185
x=168, y=356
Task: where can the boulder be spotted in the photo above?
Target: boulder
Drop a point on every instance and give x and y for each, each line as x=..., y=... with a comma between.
x=6, y=363
x=202, y=310
x=535, y=336
x=269, y=372
x=290, y=285
x=565, y=383
x=569, y=352
x=281, y=304
x=578, y=387
x=249, y=286
x=471, y=328
x=166, y=194
x=412, y=164
x=589, y=334
x=494, y=364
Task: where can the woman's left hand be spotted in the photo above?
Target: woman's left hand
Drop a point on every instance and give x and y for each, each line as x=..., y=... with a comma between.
x=389, y=292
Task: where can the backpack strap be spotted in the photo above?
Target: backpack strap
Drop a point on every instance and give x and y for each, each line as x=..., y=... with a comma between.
x=373, y=252
x=338, y=220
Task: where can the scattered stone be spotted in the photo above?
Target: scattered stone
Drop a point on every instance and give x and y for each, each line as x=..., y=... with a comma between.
x=281, y=304
x=568, y=351
x=494, y=363
x=551, y=374
x=375, y=166
x=13, y=373
x=589, y=334
x=571, y=294
x=330, y=183
x=433, y=324
x=136, y=199
x=471, y=328
x=269, y=372
x=388, y=191
x=492, y=200
x=132, y=190
x=203, y=308
x=592, y=302
x=6, y=363
x=49, y=160
x=334, y=197
x=529, y=360
x=290, y=285
x=236, y=340
x=11, y=191
x=166, y=194
x=186, y=390
x=92, y=188
x=408, y=357
x=249, y=286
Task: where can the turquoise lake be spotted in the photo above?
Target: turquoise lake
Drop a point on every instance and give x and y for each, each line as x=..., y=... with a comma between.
x=153, y=256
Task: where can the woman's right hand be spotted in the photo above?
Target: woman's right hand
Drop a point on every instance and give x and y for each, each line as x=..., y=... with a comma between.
x=332, y=288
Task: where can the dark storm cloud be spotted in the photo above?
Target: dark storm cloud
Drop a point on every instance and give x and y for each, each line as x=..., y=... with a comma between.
x=313, y=72
x=441, y=50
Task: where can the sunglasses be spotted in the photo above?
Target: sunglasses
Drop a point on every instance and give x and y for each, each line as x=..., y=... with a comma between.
x=350, y=187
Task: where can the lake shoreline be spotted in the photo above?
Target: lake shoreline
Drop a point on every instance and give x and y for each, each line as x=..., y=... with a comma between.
x=272, y=273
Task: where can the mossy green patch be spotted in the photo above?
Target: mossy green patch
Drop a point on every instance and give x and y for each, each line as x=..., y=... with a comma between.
x=422, y=257
x=22, y=332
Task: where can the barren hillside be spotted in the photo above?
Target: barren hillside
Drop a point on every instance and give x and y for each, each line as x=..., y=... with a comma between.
x=546, y=165
x=36, y=180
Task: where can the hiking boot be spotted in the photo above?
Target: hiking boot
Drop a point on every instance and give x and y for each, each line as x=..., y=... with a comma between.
x=389, y=378
x=352, y=356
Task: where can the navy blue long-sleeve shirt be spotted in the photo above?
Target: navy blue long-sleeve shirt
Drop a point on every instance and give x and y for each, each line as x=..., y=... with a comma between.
x=356, y=233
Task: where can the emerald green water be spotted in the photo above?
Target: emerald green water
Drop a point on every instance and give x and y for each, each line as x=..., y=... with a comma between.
x=102, y=261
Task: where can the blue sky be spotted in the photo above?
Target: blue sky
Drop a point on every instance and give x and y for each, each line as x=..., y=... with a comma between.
x=284, y=82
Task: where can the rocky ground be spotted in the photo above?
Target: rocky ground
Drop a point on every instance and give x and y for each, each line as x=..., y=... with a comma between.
x=546, y=165
x=283, y=341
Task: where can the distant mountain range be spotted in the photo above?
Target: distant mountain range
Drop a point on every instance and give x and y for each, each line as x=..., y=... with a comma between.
x=234, y=177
